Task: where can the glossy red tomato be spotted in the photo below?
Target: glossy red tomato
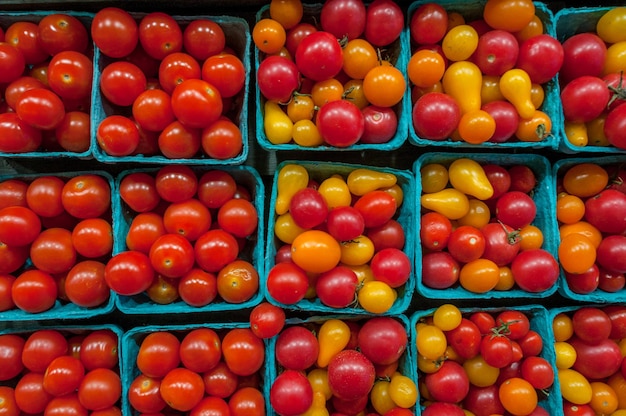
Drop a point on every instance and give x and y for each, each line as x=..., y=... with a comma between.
x=152, y=110
x=278, y=78
x=392, y=266
x=19, y=226
x=238, y=217
x=11, y=347
x=584, y=98
x=287, y=283
x=428, y=24
x=16, y=88
x=99, y=349
x=176, y=183
x=291, y=393
x=583, y=54
x=144, y=394
x=200, y=350
x=439, y=270
x=215, y=249
x=30, y=396
x=226, y=72
x=222, y=139
x=384, y=22
x=319, y=56
x=337, y=287
x=41, y=108
x=535, y=270
x=171, y=255
x=219, y=381
x=435, y=116
x=115, y=32
x=243, y=351
x=267, y=320
x=343, y=18
x=13, y=60
x=6, y=299
x=85, y=285
x=70, y=75
x=100, y=389
x=382, y=340
x=506, y=117
x=117, y=135
x=247, y=400
x=178, y=141
x=121, y=82
x=60, y=32
x=7, y=398
x=17, y=136
x=198, y=288
x=144, y=229
x=203, y=38
x=63, y=375
x=129, y=273
x=176, y=68
x=41, y=347
x=12, y=257
x=189, y=218
x=215, y=187
x=196, y=103
x=86, y=196
x=138, y=191
x=297, y=348
x=160, y=34
x=52, y=251
x=532, y=53
x=25, y=36
x=501, y=243
x=13, y=193
x=73, y=133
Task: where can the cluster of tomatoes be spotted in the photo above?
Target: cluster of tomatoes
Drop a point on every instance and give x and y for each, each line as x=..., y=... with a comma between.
x=188, y=236
x=55, y=238
x=485, y=362
x=591, y=210
x=340, y=241
x=345, y=366
x=328, y=78
x=589, y=343
x=477, y=228
x=591, y=83
x=481, y=80
x=201, y=370
x=61, y=372
x=170, y=88
x=45, y=84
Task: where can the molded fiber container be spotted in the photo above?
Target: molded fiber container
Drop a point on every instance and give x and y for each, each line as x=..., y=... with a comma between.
x=8, y=18
x=398, y=56
x=570, y=21
x=472, y=10
x=246, y=176
x=61, y=310
x=597, y=296
x=407, y=364
x=319, y=171
x=237, y=34
x=539, y=322
x=132, y=339
x=544, y=196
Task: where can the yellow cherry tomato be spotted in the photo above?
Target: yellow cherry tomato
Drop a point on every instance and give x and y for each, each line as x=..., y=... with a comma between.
x=286, y=229
x=433, y=177
x=357, y=252
x=430, y=341
x=506, y=281
x=291, y=178
x=575, y=388
x=301, y=107
x=306, y=134
x=335, y=192
x=615, y=60
x=403, y=391
x=562, y=327
x=480, y=373
x=380, y=397
x=447, y=317
x=565, y=354
x=376, y=296
x=490, y=89
x=318, y=377
x=595, y=132
x=576, y=133
x=353, y=91
x=477, y=216
x=611, y=26
x=460, y=42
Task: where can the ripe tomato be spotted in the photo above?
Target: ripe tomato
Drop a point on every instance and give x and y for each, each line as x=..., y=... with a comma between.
x=215, y=249
x=384, y=86
x=237, y=281
x=196, y=103
x=449, y=384
x=85, y=285
x=429, y=24
x=266, y=320
x=583, y=55
x=52, y=251
x=176, y=183
x=60, y=32
x=144, y=394
x=203, y=38
x=291, y=393
x=129, y=273
x=13, y=60
x=115, y=32
x=277, y=78
x=73, y=133
x=121, y=82
x=315, y=251
x=215, y=187
x=197, y=288
x=200, y=350
x=226, y=72
x=383, y=22
x=152, y=110
x=287, y=283
x=535, y=270
x=247, y=400
x=86, y=196
x=160, y=34
x=243, y=351
x=63, y=375
x=518, y=396
x=25, y=36
x=30, y=395
x=176, y=68
x=584, y=98
x=17, y=136
x=297, y=348
x=341, y=123
x=222, y=139
x=171, y=255
x=70, y=75
x=337, y=287
x=435, y=116
x=41, y=108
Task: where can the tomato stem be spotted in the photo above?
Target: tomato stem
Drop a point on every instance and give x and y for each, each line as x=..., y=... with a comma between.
x=618, y=93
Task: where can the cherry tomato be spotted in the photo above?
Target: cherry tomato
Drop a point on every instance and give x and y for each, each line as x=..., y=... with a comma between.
x=115, y=32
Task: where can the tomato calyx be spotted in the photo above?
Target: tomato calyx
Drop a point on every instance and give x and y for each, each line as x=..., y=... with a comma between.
x=503, y=328
x=512, y=236
x=617, y=92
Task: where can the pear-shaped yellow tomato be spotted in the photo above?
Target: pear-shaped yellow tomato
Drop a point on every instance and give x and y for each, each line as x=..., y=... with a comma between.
x=362, y=180
x=277, y=124
x=291, y=178
x=469, y=177
x=333, y=336
x=449, y=202
x=516, y=87
x=463, y=81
